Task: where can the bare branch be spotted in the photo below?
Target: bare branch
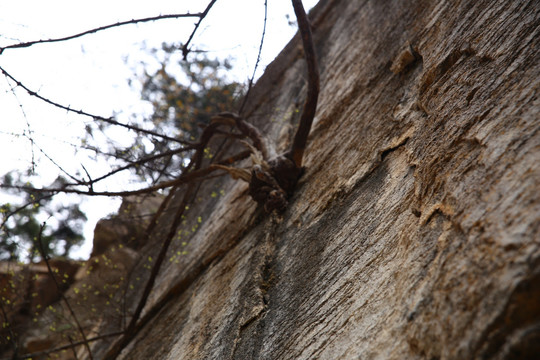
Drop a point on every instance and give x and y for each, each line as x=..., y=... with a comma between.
x=108, y=120
x=185, y=50
x=51, y=274
x=134, y=325
x=190, y=192
x=94, y=149
x=29, y=136
x=161, y=256
x=144, y=239
x=137, y=163
x=250, y=84
x=207, y=134
x=162, y=185
x=101, y=28
x=183, y=179
x=22, y=207
x=55, y=163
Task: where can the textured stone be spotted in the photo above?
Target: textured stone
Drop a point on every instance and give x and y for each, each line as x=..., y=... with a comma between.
x=126, y=226
x=414, y=232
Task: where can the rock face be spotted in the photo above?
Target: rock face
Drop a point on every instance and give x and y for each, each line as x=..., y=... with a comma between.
x=37, y=315
x=26, y=290
x=125, y=227
x=414, y=232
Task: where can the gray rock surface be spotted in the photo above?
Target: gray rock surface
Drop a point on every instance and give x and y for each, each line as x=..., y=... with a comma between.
x=414, y=232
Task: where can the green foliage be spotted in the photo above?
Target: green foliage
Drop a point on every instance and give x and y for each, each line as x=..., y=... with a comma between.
x=184, y=96
x=21, y=224
x=187, y=101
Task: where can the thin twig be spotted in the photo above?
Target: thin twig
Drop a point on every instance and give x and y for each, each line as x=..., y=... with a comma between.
x=137, y=163
x=161, y=256
x=250, y=84
x=164, y=171
x=185, y=178
x=22, y=207
x=108, y=120
x=178, y=288
x=94, y=149
x=145, y=239
x=30, y=132
x=130, y=330
x=73, y=348
x=196, y=162
x=55, y=163
x=59, y=289
x=101, y=28
x=185, y=50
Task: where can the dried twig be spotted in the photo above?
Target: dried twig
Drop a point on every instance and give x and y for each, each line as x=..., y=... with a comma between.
x=108, y=120
x=131, y=328
x=101, y=28
x=137, y=163
x=7, y=216
x=185, y=50
x=29, y=135
x=183, y=179
x=250, y=84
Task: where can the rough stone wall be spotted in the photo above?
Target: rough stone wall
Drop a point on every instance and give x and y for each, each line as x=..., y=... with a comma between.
x=414, y=232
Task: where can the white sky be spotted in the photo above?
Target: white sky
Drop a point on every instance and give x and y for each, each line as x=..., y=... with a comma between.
x=92, y=72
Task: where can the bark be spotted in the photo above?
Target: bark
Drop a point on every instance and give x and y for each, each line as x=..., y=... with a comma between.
x=414, y=231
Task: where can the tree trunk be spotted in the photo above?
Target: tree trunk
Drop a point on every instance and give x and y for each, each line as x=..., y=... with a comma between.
x=414, y=231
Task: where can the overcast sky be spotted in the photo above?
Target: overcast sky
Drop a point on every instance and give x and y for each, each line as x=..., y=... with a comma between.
x=93, y=72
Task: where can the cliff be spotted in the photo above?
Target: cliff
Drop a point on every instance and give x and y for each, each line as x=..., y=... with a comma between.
x=414, y=230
